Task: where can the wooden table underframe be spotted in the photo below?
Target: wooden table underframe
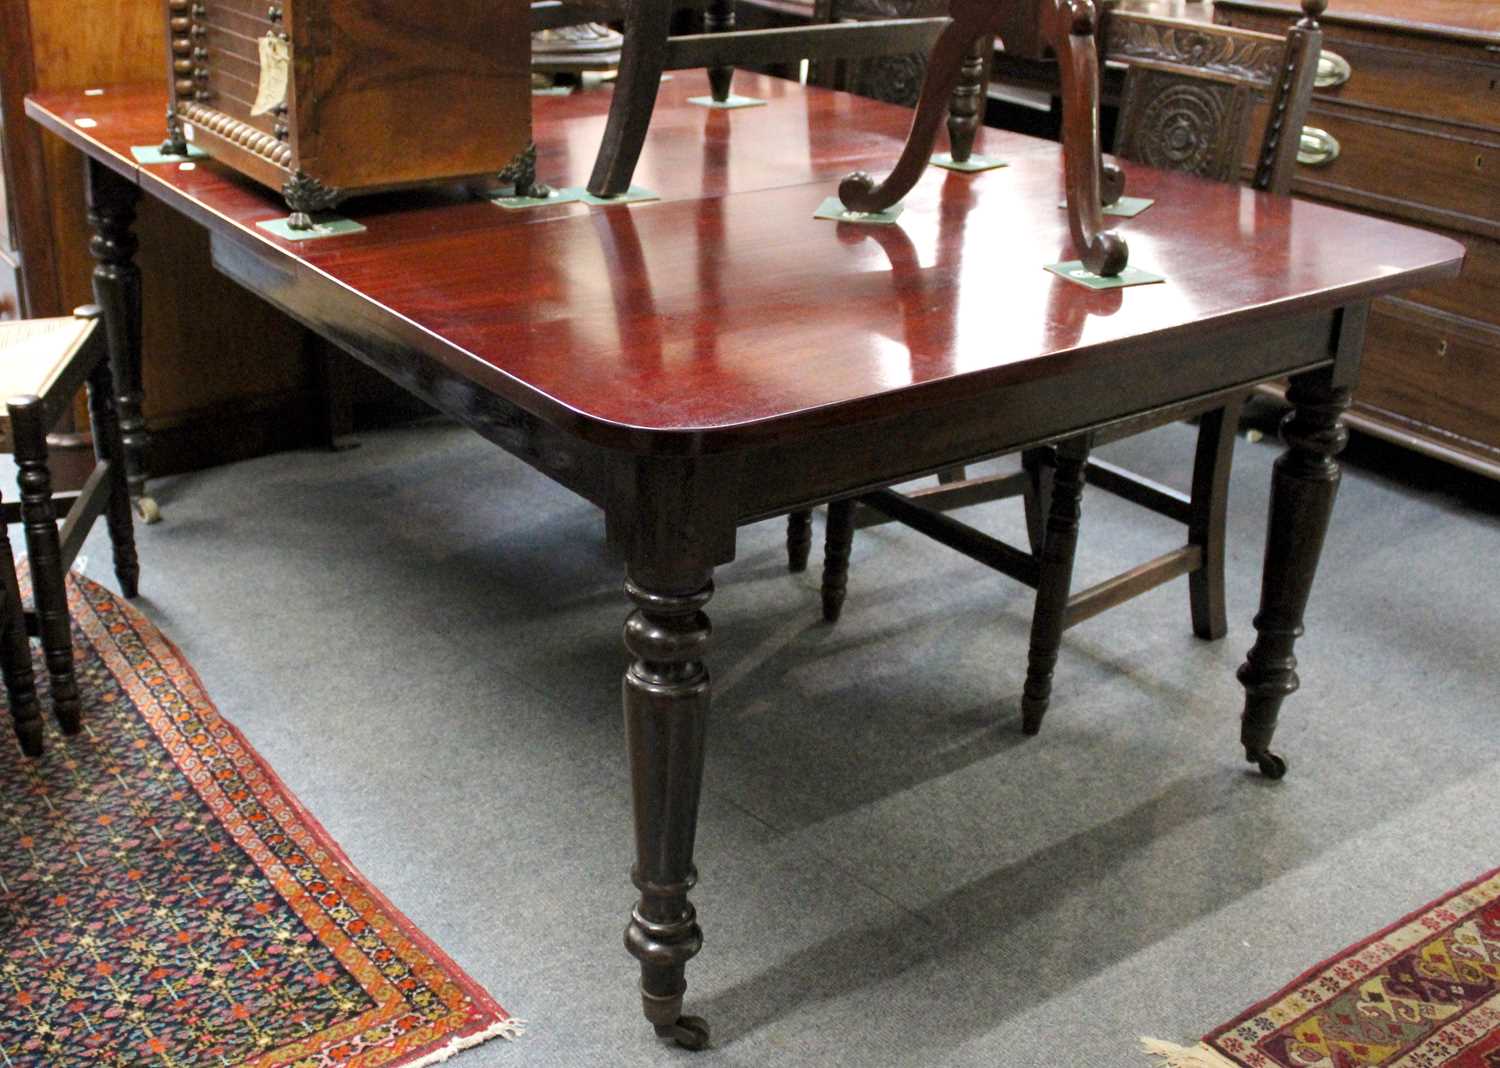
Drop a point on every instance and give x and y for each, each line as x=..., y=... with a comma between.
x=649, y=358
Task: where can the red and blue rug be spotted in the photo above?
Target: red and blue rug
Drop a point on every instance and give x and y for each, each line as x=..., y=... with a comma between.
x=165, y=901
x=1423, y=993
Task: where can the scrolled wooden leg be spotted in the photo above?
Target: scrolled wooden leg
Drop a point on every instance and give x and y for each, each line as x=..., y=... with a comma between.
x=117, y=291
x=1304, y=484
x=15, y=658
x=109, y=449
x=1054, y=582
x=838, y=543
x=666, y=699
x=642, y=60
x=49, y=591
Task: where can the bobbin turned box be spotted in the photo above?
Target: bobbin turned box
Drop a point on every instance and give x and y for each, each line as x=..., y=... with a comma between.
x=324, y=99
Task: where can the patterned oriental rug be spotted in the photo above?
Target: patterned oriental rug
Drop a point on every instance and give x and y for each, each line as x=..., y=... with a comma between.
x=1423, y=993
x=165, y=901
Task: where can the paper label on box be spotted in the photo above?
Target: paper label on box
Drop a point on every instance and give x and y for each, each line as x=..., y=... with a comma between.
x=275, y=73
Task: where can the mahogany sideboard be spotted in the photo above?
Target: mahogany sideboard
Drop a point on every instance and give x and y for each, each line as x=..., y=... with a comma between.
x=720, y=357
x=1417, y=130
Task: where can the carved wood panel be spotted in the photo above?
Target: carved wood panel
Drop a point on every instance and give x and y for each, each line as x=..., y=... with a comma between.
x=1183, y=123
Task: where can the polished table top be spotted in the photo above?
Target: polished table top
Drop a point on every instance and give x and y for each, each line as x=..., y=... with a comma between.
x=726, y=315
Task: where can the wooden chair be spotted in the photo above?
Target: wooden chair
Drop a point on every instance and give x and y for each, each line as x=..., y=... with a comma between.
x=43, y=363
x=650, y=50
x=1187, y=105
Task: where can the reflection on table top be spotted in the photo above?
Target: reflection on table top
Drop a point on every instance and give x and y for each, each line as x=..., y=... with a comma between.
x=726, y=311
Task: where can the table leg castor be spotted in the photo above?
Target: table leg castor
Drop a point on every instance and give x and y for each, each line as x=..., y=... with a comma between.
x=689, y=1032
x=148, y=510
x=1271, y=766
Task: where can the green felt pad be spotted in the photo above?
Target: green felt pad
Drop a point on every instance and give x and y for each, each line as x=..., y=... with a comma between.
x=1075, y=271
x=833, y=209
x=148, y=154
x=558, y=196
x=323, y=226
x=970, y=165
x=734, y=101
x=634, y=195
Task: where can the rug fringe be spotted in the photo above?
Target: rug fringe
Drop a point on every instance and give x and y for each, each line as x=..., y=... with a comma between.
x=1173, y=1056
x=507, y=1029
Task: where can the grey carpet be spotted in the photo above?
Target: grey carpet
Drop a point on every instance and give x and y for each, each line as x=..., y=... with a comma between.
x=422, y=637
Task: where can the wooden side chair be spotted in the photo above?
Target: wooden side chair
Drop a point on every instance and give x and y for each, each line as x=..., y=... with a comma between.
x=1188, y=101
x=43, y=364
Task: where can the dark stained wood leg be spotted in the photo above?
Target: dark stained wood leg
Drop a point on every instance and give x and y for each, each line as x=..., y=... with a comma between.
x=666, y=697
x=949, y=475
x=1206, y=524
x=110, y=449
x=718, y=17
x=15, y=658
x=798, y=540
x=642, y=60
x=966, y=106
x=1303, y=487
x=1037, y=496
x=39, y=520
x=838, y=543
x=1047, y=621
x=117, y=290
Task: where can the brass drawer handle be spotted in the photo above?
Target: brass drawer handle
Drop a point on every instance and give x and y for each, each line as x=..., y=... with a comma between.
x=1319, y=148
x=1333, y=70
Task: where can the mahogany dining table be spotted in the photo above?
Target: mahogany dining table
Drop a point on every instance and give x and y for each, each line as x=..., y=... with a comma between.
x=718, y=356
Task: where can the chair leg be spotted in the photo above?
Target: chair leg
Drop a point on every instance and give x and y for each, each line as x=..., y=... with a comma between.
x=836, y=547
x=1038, y=464
x=798, y=540
x=642, y=59
x=109, y=448
x=1208, y=516
x=718, y=17
x=966, y=105
x=39, y=520
x=1054, y=581
x=15, y=657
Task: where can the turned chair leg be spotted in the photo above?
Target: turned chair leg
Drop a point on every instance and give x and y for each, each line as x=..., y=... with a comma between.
x=1208, y=515
x=109, y=448
x=49, y=591
x=1047, y=621
x=798, y=539
x=15, y=657
x=839, y=540
x=966, y=105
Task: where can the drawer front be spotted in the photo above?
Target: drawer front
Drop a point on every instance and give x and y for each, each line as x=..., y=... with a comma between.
x=1476, y=293
x=1450, y=81
x=1408, y=170
x=1433, y=369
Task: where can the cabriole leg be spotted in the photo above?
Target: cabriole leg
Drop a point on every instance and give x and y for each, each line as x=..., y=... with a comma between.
x=117, y=291
x=666, y=697
x=1303, y=486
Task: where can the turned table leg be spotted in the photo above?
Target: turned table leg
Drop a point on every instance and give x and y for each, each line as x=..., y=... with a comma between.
x=1303, y=487
x=718, y=17
x=666, y=695
x=117, y=291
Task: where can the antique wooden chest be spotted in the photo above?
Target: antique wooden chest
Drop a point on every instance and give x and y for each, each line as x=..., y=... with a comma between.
x=324, y=99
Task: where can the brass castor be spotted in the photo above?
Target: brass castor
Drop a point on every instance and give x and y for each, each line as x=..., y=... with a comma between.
x=689, y=1032
x=148, y=510
x=1271, y=766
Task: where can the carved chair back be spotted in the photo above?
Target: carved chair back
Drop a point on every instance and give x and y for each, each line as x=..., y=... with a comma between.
x=895, y=79
x=1191, y=89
